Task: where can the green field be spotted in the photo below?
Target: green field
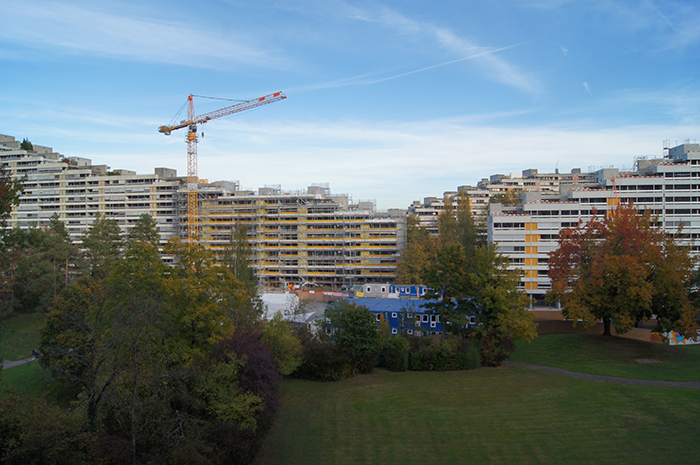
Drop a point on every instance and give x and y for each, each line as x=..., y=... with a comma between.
x=500, y=416
x=19, y=334
x=29, y=379
x=612, y=356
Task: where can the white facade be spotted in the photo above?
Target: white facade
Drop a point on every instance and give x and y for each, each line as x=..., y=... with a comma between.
x=77, y=191
x=669, y=188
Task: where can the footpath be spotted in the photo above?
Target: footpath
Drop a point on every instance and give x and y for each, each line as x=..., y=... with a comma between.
x=13, y=363
x=609, y=379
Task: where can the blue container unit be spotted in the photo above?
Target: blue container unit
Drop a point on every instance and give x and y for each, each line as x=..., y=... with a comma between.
x=390, y=291
x=404, y=315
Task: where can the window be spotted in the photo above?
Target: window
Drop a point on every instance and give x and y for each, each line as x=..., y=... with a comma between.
x=394, y=331
x=410, y=331
x=424, y=318
x=393, y=314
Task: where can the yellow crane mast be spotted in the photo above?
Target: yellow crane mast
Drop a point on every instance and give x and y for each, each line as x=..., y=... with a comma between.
x=191, y=124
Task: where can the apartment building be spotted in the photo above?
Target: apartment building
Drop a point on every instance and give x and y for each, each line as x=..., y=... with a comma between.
x=310, y=239
x=76, y=190
x=480, y=196
x=305, y=240
x=668, y=187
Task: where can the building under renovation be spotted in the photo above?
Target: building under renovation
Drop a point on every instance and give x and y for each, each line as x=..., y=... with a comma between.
x=310, y=239
x=304, y=240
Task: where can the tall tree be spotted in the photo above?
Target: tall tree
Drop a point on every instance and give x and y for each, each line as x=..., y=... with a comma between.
x=622, y=268
x=235, y=258
x=480, y=288
x=102, y=246
x=417, y=255
x=145, y=230
x=10, y=189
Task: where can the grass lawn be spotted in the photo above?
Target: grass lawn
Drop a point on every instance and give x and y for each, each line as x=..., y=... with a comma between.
x=499, y=416
x=28, y=379
x=612, y=356
x=19, y=334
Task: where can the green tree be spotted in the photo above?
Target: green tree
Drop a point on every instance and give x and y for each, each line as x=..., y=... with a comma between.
x=10, y=190
x=623, y=268
x=479, y=287
x=145, y=230
x=207, y=301
x=355, y=332
x=286, y=347
x=102, y=246
x=235, y=258
x=26, y=145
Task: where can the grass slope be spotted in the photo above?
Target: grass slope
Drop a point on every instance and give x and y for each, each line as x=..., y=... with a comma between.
x=19, y=334
x=499, y=416
x=29, y=379
x=612, y=356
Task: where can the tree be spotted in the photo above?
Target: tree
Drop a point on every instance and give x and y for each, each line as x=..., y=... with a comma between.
x=102, y=246
x=622, y=268
x=481, y=288
x=10, y=189
x=140, y=350
x=355, y=332
x=145, y=230
x=26, y=145
x=235, y=258
x=417, y=255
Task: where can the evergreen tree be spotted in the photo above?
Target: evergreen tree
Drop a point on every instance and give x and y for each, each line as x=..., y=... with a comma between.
x=26, y=145
x=145, y=230
x=102, y=246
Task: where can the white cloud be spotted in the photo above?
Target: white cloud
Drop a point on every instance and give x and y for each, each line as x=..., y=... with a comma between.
x=587, y=87
x=77, y=29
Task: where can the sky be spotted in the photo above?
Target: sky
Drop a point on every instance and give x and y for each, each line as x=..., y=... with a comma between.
x=390, y=101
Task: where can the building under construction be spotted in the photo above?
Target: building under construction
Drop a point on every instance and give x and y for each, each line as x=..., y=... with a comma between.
x=304, y=240
x=310, y=240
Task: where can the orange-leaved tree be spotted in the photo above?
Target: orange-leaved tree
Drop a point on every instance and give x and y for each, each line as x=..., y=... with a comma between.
x=623, y=268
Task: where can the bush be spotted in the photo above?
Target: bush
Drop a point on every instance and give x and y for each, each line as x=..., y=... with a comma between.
x=468, y=359
x=322, y=361
x=396, y=354
x=494, y=350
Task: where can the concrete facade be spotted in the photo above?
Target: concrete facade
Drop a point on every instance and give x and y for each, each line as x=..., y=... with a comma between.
x=668, y=187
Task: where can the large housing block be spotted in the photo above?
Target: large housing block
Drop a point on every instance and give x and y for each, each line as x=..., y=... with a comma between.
x=310, y=239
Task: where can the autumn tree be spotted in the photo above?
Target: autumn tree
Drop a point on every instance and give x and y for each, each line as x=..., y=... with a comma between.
x=160, y=358
x=417, y=255
x=622, y=268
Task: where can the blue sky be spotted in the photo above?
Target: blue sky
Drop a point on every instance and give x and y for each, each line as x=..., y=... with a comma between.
x=391, y=101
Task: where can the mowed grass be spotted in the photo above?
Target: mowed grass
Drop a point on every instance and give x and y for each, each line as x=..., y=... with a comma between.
x=19, y=334
x=612, y=356
x=29, y=379
x=497, y=416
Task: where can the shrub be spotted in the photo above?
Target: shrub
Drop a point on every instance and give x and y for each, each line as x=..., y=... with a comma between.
x=396, y=354
x=468, y=359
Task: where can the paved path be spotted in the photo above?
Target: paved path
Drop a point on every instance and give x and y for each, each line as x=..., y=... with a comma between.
x=609, y=379
x=14, y=363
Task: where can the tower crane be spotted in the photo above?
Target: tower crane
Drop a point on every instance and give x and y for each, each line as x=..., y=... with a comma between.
x=191, y=124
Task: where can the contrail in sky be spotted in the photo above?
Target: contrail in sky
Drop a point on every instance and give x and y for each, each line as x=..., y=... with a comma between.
x=477, y=55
